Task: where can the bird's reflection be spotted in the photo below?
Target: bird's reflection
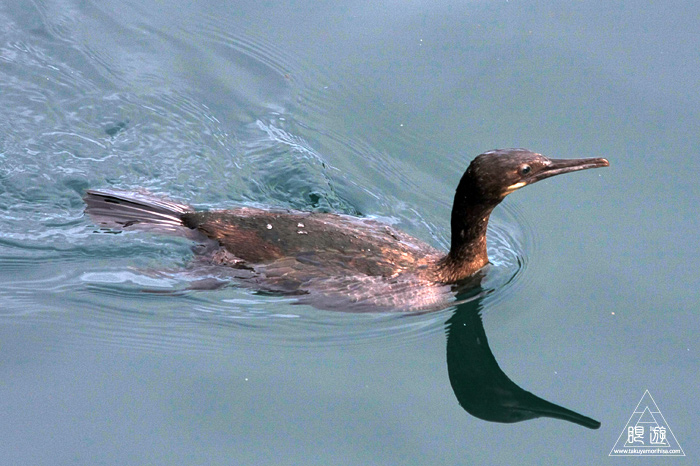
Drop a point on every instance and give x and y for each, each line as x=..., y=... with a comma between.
x=479, y=384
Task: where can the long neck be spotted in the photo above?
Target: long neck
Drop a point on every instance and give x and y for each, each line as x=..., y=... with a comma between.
x=470, y=219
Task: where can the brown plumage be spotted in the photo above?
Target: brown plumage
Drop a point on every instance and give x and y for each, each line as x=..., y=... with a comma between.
x=338, y=261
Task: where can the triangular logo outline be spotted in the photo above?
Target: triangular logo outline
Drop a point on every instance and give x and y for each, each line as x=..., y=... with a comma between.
x=647, y=433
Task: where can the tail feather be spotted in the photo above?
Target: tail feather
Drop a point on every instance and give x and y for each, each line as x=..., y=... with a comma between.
x=125, y=209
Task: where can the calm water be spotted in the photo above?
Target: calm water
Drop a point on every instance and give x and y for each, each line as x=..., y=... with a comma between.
x=362, y=109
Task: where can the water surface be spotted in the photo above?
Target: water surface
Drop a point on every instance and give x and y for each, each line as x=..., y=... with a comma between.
x=371, y=110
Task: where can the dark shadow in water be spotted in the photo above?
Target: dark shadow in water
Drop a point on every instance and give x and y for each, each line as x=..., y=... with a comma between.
x=116, y=128
x=479, y=384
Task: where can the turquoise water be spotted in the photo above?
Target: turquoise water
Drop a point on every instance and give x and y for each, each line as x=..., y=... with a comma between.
x=364, y=109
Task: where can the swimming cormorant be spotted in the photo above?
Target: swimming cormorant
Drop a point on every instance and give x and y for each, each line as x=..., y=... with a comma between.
x=339, y=261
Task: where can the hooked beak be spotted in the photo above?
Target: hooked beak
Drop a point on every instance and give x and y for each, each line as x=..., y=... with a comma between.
x=558, y=167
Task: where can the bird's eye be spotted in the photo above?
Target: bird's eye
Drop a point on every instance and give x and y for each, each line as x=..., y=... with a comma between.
x=525, y=169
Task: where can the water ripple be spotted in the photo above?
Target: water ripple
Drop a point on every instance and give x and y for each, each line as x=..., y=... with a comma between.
x=217, y=117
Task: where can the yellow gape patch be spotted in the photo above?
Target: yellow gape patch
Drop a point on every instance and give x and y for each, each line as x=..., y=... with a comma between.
x=515, y=186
